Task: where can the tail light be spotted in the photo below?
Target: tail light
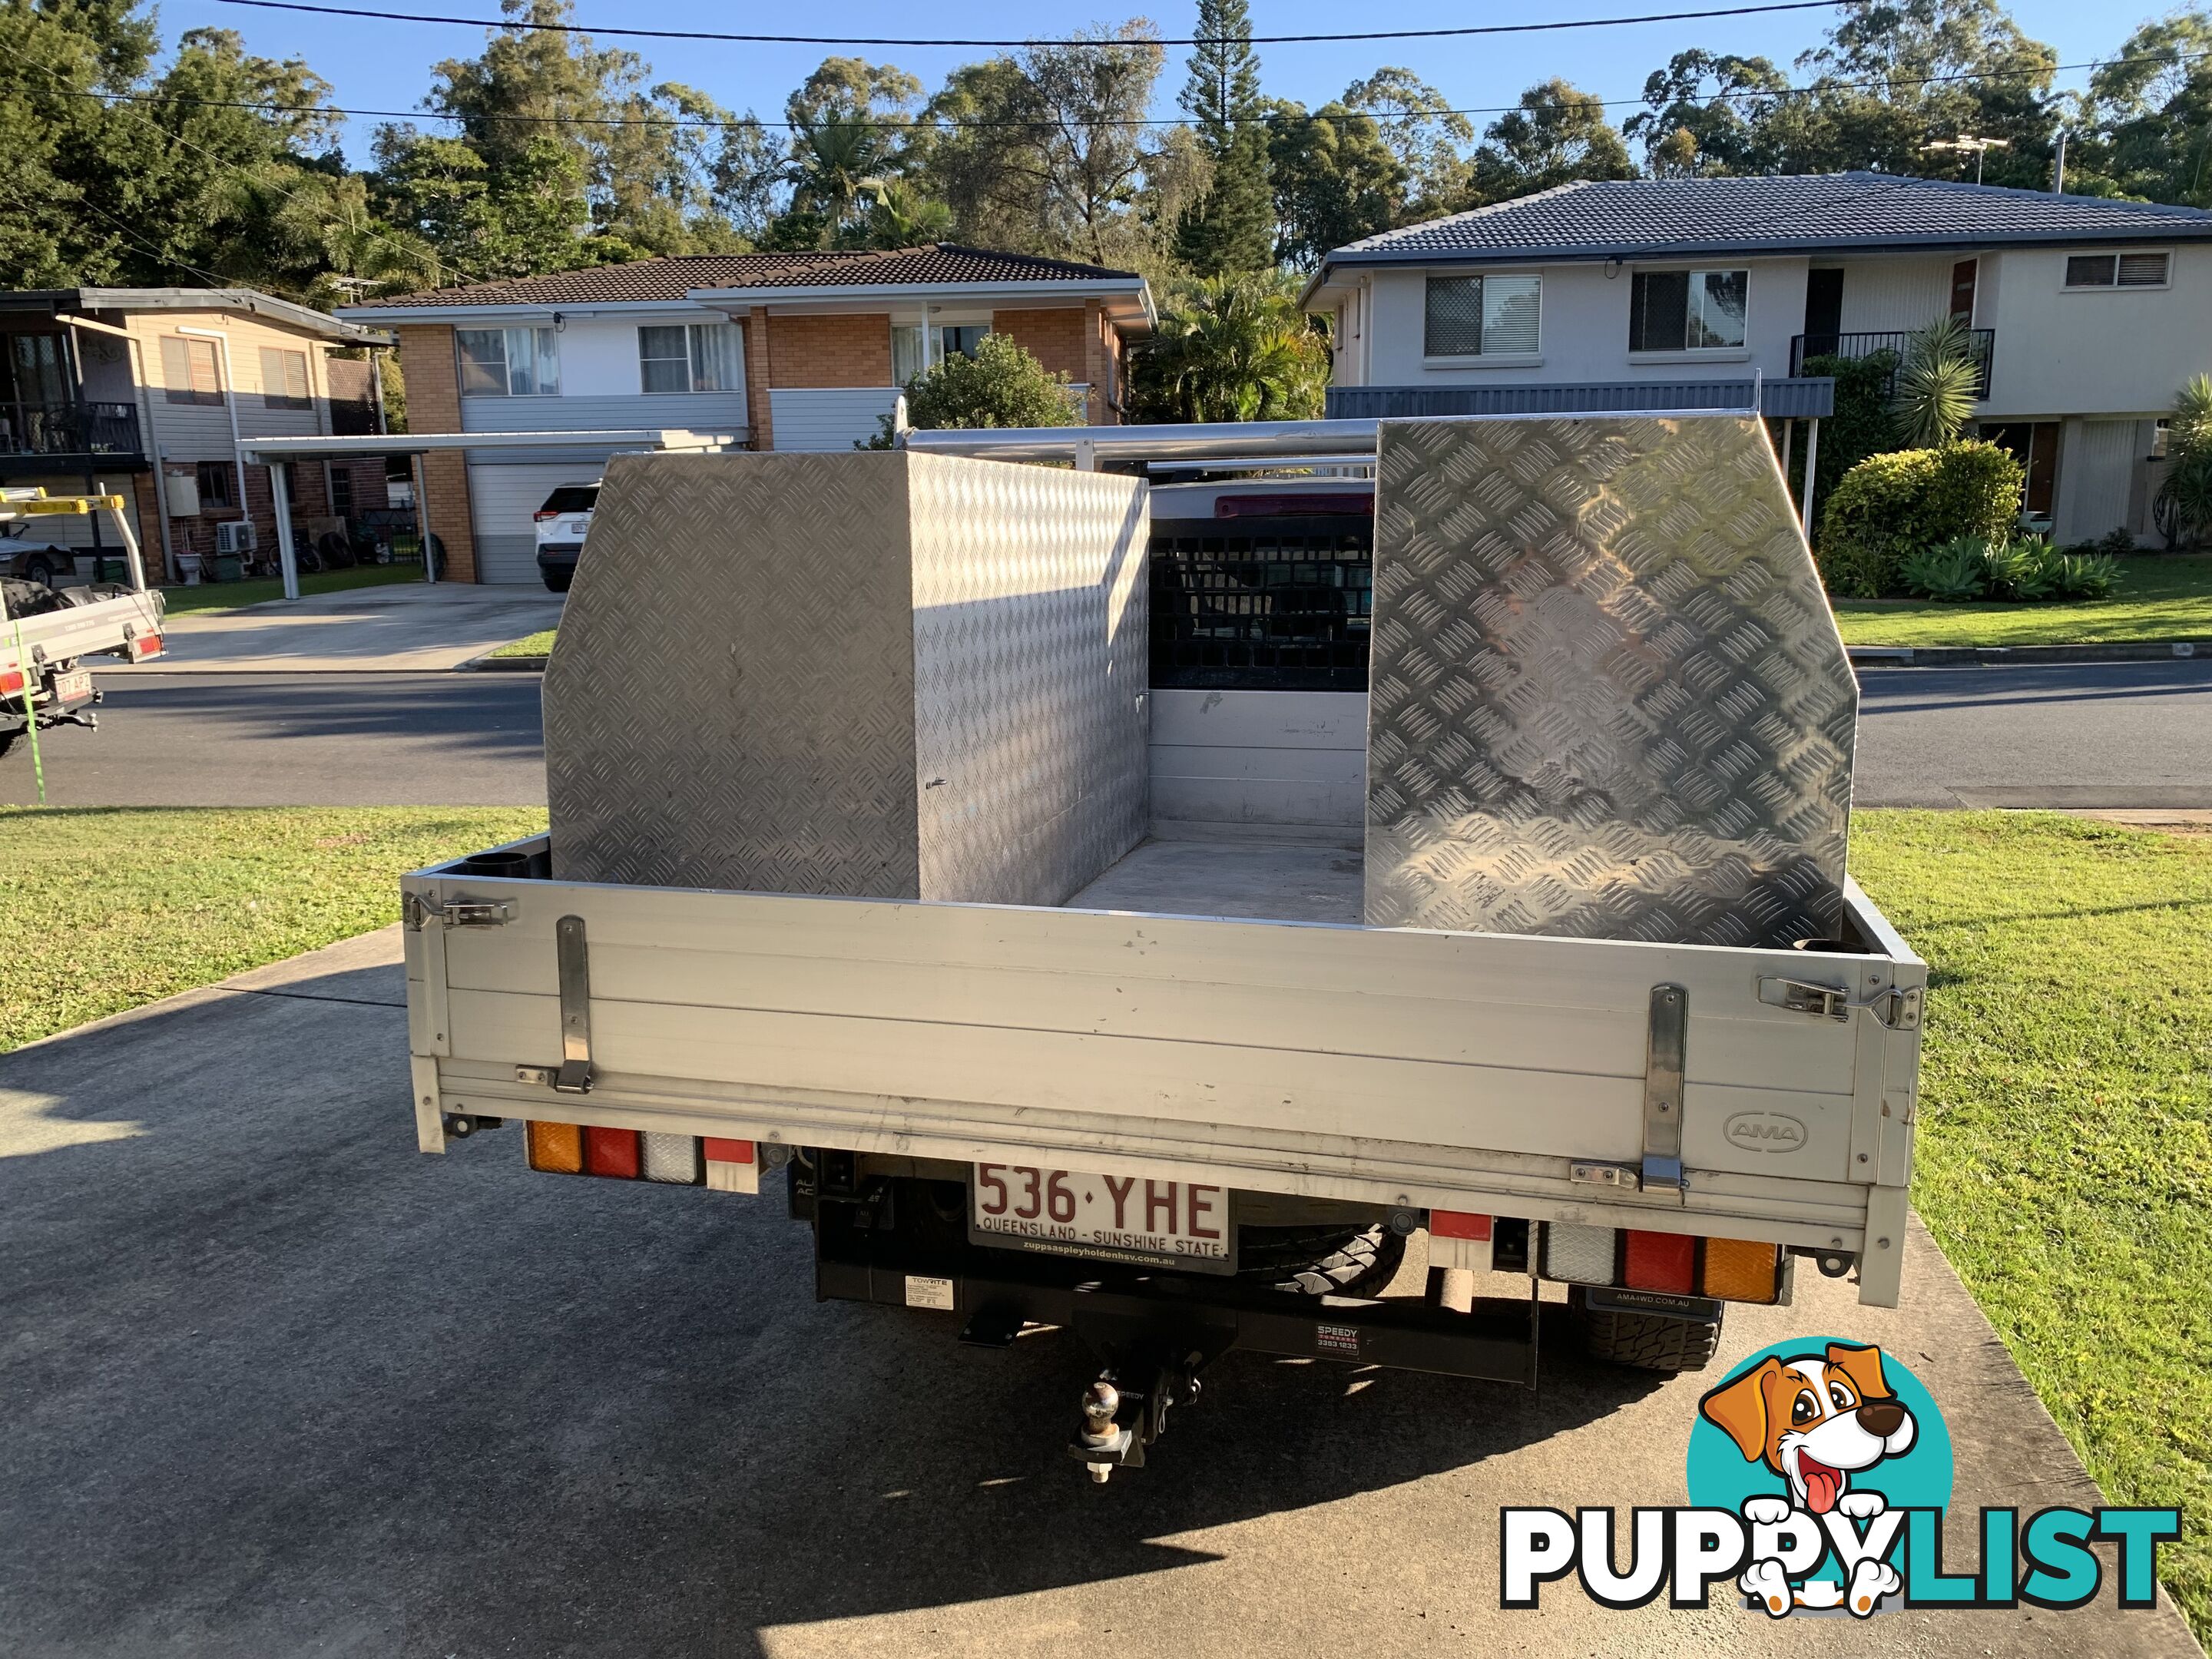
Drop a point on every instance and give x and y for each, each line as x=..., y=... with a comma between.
x=1457, y=1239
x=143, y=646
x=722, y=1166
x=540, y=517
x=1660, y=1262
x=11, y=681
x=1582, y=1254
x=1741, y=1270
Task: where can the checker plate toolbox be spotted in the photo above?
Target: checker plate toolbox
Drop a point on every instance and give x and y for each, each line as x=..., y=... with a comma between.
x=856, y=887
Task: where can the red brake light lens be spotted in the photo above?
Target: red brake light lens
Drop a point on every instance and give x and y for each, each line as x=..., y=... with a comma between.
x=11, y=680
x=1661, y=1261
x=611, y=1152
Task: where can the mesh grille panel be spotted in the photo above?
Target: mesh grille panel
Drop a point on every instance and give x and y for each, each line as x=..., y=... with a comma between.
x=1584, y=1254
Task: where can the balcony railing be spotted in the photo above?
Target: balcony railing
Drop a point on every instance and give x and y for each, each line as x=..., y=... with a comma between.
x=1981, y=345
x=68, y=428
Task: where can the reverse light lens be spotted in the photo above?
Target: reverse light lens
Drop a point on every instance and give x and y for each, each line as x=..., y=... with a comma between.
x=1661, y=1261
x=673, y=1158
x=557, y=1148
x=611, y=1152
x=1741, y=1270
x=1582, y=1254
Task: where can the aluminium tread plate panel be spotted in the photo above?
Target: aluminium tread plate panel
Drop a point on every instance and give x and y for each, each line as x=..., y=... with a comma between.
x=865, y=675
x=1607, y=697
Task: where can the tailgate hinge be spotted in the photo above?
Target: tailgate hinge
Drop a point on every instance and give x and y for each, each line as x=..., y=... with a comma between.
x=418, y=912
x=1664, y=1054
x=574, y=1077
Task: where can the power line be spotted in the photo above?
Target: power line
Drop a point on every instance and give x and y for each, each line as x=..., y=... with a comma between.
x=1098, y=44
x=953, y=125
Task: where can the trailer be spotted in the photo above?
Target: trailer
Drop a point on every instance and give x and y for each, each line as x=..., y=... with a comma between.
x=870, y=878
x=47, y=633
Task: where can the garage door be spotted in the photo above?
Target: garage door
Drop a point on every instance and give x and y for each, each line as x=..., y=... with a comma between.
x=502, y=498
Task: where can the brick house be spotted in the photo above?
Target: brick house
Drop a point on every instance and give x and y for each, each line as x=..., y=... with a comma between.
x=780, y=350
x=144, y=391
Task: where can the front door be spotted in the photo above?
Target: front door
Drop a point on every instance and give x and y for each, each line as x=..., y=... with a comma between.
x=1824, y=311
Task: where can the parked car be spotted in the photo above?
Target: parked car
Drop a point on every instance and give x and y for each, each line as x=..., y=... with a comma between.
x=562, y=520
x=35, y=559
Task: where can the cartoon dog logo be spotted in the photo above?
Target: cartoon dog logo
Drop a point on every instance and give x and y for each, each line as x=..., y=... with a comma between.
x=1815, y=1420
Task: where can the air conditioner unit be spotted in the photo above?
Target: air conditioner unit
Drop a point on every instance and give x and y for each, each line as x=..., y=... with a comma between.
x=234, y=536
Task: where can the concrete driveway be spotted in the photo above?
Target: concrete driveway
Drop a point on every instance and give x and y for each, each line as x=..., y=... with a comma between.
x=277, y=1385
x=408, y=626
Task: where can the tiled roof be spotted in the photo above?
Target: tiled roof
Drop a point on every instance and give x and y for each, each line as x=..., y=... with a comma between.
x=1774, y=214
x=671, y=279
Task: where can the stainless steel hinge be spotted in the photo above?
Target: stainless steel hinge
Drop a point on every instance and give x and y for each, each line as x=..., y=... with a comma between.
x=417, y=914
x=573, y=962
x=1900, y=1010
x=1664, y=1063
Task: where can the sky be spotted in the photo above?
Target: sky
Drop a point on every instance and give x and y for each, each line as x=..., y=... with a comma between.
x=387, y=66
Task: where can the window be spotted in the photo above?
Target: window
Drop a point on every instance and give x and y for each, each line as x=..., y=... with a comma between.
x=1688, y=310
x=284, y=379
x=690, y=357
x=342, y=491
x=509, y=362
x=2116, y=269
x=1482, y=317
x=216, y=481
x=956, y=340
x=188, y=371
x=38, y=367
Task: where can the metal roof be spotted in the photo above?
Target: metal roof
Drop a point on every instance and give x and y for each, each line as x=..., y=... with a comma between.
x=1634, y=218
x=259, y=450
x=52, y=300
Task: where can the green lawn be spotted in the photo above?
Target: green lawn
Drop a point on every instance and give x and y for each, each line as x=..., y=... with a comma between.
x=2160, y=597
x=535, y=645
x=228, y=596
x=103, y=910
x=2064, y=1156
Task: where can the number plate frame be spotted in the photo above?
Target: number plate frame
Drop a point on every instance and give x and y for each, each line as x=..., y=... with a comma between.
x=1089, y=1233
x=75, y=686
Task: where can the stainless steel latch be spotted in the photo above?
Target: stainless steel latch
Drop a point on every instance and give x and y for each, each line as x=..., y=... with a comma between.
x=573, y=963
x=418, y=914
x=1900, y=1010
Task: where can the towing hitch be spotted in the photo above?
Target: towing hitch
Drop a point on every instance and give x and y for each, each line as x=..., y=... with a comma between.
x=1104, y=1442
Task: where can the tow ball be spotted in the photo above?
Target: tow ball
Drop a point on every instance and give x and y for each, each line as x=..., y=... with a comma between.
x=1104, y=1441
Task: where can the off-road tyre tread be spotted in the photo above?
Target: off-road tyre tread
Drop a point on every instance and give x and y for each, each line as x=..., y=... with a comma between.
x=1647, y=1341
x=1320, y=1261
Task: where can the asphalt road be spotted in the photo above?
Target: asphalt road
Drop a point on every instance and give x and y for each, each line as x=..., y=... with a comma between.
x=2093, y=735
x=277, y=1385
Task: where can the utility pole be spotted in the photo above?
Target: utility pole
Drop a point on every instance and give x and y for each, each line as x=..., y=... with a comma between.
x=2058, y=170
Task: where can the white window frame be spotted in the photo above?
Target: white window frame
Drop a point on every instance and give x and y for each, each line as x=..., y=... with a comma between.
x=693, y=343
x=1481, y=359
x=1690, y=354
x=545, y=344
x=2115, y=286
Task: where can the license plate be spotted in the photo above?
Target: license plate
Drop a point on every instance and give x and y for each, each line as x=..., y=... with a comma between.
x=1129, y=1218
x=73, y=687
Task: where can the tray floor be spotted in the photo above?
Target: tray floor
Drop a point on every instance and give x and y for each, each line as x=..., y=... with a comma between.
x=1260, y=880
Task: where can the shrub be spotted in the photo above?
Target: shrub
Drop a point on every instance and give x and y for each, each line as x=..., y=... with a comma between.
x=1936, y=388
x=1953, y=571
x=1001, y=385
x=2023, y=571
x=2086, y=577
x=2115, y=543
x=1889, y=507
x=1861, y=426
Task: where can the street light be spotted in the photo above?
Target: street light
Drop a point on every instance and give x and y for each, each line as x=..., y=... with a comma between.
x=1966, y=142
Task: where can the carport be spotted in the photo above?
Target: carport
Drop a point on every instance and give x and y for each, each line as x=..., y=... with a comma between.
x=555, y=445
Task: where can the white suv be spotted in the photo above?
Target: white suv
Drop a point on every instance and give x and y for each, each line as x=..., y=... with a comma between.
x=562, y=520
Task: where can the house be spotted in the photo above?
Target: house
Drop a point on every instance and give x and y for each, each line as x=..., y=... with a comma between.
x=780, y=350
x=2086, y=314
x=146, y=391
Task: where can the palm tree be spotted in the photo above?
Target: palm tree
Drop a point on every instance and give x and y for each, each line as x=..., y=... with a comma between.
x=1938, y=387
x=1237, y=348
x=834, y=159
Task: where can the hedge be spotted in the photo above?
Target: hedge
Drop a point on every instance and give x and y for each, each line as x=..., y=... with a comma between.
x=1889, y=507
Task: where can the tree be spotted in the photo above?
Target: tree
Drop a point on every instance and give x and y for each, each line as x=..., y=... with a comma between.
x=2145, y=120
x=1708, y=112
x=1937, y=385
x=1336, y=179
x=1235, y=348
x=853, y=127
x=1231, y=227
x=1422, y=129
x=1556, y=135
x=1001, y=386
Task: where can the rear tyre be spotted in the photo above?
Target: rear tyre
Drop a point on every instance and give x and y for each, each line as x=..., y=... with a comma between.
x=1647, y=1342
x=1320, y=1261
x=41, y=570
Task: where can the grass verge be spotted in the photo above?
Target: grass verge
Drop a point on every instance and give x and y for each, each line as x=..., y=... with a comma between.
x=2162, y=598
x=2065, y=1155
x=103, y=910
x=229, y=596
x=534, y=645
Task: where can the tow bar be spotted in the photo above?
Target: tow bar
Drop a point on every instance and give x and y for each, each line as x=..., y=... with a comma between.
x=1105, y=1442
